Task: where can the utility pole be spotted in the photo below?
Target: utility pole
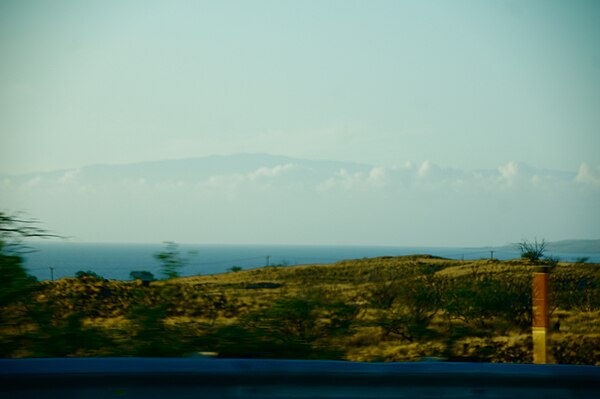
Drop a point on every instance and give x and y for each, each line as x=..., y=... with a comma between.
x=540, y=321
x=52, y=273
x=268, y=256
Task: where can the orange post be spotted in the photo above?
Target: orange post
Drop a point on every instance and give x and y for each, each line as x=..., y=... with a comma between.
x=540, y=316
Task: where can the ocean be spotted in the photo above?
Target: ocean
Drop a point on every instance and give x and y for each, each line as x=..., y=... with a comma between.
x=116, y=261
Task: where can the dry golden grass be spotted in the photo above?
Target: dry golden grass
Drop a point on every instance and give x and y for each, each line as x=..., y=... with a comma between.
x=207, y=303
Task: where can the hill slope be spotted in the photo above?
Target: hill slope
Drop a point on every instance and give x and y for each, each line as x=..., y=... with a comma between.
x=386, y=309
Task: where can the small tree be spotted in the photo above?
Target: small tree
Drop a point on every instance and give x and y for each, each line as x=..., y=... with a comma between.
x=141, y=275
x=88, y=274
x=532, y=250
x=16, y=285
x=235, y=269
x=15, y=282
x=13, y=229
x=144, y=276
x=171, y=260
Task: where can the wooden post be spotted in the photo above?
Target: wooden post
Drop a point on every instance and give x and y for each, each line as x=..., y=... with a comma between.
x=540, y=325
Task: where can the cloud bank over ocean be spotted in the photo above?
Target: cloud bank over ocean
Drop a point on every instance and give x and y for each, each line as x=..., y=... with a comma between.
x=253, y=199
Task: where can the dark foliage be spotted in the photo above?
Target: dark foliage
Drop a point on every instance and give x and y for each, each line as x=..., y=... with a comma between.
x=532, y=250
x=88, y=274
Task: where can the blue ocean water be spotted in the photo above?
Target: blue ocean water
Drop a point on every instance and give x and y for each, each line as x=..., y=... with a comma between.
x=116, y=261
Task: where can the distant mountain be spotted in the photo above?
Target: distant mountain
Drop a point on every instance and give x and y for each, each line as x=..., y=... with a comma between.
x=194, y=169
x=575, y=246
x=564, y=246
x=296, y=169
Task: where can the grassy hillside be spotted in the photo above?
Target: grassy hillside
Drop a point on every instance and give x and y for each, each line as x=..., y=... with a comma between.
x=382, y=309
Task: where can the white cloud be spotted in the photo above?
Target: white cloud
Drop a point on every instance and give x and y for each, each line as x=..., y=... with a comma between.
x=69, y=176
x=587, y=175
x=220, y=180
x=377, y=174
x=537, y=180
x=425, y=169
x=376, y=177
x=275, y=171
x=340, y=195
x=509, y=172
x=341, y=179
x=33, y=182
x=431, y=170
x=261, y=175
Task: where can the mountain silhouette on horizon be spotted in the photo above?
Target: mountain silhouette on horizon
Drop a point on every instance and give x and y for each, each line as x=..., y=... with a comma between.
x=199, y=167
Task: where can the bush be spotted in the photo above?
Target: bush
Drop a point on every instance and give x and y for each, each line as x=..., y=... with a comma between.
x=88, y=274
x=495, y=350
x=144, y=276
x=532, y=250
x=576, y=349
x=478, y=299
x=576, y=288
x=414, y=352
x=171, y=260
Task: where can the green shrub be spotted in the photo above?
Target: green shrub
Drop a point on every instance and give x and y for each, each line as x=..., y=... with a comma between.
x=88, y=274
x=576, y=349
x=493, y=349
x=144, y=276
x=532, y=250
x=481, y=299
x=576, y=288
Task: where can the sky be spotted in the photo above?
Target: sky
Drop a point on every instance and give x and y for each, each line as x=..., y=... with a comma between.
x=461, y=85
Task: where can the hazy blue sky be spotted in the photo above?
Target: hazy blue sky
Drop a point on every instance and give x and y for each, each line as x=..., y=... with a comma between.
x=462, y=84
